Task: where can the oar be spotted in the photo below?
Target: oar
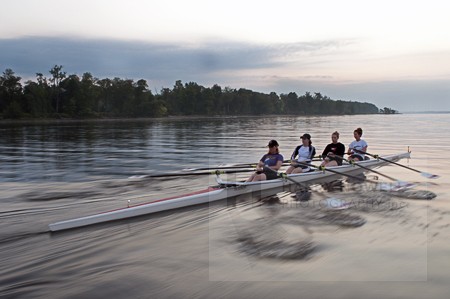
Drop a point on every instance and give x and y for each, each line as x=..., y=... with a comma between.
x=232, y=166
x=399, y=183
x=285, y=163
x=323, y=168
x=333, y=202
x=427, y=175
x=216, y=172
x=283, y=175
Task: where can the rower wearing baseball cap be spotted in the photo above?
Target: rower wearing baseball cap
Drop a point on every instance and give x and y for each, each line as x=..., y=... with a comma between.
x=305, y=153
x=272, y=159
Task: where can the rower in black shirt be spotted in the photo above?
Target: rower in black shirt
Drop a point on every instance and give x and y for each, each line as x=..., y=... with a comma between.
x=334, y=148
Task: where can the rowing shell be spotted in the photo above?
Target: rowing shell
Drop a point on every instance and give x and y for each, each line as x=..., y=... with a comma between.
x=223, y=191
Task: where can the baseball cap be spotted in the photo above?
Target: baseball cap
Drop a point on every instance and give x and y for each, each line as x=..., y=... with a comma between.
x=272, y=143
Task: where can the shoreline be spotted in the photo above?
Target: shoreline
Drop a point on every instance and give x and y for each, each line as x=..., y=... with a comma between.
x=172, y=117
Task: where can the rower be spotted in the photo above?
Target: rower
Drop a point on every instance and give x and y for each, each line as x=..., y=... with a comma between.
x=272, y=159
x=357, y=147
x=305, y=153
x=331, y=150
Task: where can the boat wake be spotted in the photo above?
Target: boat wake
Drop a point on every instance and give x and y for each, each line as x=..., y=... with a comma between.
x=290, y=229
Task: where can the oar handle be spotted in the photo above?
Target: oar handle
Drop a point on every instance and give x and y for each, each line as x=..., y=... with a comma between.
x=330, y=154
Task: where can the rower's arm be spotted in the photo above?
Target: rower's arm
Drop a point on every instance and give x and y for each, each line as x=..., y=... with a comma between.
x=278, y=166
x=341, y=151
x=325, y=152
x=294, y=154
x=259, y=166
x=364, y=150
x=313, y=153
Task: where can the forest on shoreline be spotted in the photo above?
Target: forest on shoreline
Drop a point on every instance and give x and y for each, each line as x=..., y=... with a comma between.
x=73, y=96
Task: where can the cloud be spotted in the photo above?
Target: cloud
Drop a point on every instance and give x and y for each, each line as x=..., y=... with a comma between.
x=260, y=67
x=155, y=61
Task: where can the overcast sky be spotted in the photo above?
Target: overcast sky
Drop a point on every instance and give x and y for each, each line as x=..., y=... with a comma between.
x=390, y=53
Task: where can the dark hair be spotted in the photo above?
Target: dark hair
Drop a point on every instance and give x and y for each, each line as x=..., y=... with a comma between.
x=336, y=133
x=359, y=131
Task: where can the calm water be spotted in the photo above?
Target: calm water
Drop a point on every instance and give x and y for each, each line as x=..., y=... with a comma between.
x=51, y=172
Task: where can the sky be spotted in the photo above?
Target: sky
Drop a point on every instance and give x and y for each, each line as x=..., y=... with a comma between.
x=391, y=53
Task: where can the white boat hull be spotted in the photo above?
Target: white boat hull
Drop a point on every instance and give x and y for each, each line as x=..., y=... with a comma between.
x=264, y=188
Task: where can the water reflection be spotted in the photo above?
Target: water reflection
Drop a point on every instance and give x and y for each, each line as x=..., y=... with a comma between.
x=84, y=150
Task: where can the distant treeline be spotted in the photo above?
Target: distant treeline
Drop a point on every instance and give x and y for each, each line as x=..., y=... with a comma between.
x=87, y=96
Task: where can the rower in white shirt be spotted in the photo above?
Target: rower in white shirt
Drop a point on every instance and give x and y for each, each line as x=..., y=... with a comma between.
x=305, y=153
x=357, y=147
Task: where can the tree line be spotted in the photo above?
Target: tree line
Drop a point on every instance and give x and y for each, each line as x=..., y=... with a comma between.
x=387, y=110
x=73, y=96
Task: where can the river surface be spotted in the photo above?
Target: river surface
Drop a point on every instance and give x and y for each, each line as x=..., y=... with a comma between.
x=55, y=171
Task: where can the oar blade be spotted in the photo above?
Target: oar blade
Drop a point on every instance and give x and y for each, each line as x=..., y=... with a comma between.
x=337, y=204
x=138, y=176
x=429, y=175
x=228, y=165
x=220, y=167
x=398, y=185
x=404, y=185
